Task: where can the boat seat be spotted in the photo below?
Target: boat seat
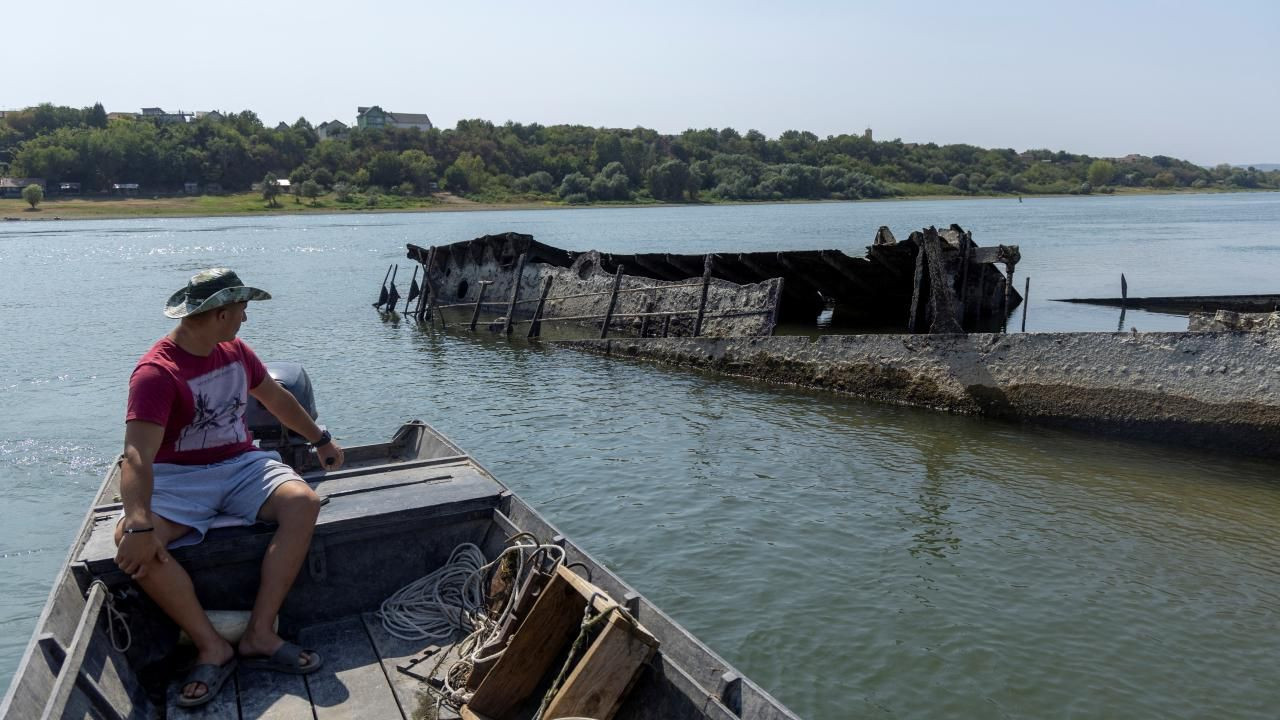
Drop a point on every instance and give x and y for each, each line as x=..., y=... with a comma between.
x=358, y=501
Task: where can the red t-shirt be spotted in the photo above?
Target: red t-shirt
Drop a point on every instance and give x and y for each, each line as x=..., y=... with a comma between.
x=200, y=401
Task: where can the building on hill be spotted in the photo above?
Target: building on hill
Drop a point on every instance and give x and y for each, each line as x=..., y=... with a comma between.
x=159, y=115
x=11, y=187
x=331, y=129
x=376, y=117
x=213, y=115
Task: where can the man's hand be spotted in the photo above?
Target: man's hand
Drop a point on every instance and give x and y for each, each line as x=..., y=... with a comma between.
x=137, y=551
x=331, y=455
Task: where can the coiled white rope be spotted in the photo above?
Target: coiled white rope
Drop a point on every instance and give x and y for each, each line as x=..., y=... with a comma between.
x=452, y=598
x=435, y=606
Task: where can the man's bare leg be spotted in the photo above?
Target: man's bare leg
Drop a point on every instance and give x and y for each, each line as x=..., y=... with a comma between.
x=169, y=585
x=294, y=506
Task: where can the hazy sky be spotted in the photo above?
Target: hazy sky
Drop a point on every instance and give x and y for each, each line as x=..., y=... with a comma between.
x=1196, y=80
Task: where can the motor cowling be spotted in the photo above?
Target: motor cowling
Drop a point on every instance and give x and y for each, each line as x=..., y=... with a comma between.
x=268, y=430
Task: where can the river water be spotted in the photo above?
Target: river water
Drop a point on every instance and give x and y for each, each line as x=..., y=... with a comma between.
x=853, y=559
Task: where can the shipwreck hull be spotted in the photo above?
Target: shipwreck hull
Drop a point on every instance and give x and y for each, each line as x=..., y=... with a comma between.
x=934, y=281
x=582, y=287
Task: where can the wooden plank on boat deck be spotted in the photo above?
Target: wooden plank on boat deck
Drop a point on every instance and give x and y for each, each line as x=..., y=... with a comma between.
x=416, y=701
x=224, y=705
x=351, y=683
x=266, y=694
x=599, y=682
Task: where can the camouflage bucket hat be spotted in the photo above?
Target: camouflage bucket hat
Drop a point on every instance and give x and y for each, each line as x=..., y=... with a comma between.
x=210, y=289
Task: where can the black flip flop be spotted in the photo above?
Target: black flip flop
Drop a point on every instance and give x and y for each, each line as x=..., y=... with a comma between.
x=285, y=660
x=213, y=677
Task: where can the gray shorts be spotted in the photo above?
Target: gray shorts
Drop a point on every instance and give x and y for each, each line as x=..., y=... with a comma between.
x=219, y=495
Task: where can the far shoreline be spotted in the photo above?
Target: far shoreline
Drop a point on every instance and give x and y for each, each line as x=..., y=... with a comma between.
x=13, y=210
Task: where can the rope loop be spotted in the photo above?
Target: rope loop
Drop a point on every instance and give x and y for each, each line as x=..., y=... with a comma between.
x=115, y=619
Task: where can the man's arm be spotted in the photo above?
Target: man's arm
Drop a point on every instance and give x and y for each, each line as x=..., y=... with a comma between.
x=141, y=443
x=137, y=479
x=282, y=404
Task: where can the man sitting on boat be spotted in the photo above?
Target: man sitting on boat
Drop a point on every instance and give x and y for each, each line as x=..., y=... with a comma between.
x=189, y=458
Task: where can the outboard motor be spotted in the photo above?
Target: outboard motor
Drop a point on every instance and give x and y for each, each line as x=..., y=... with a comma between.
x=270, y=433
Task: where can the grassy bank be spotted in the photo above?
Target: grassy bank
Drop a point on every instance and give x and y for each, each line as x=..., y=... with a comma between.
x=253, y=204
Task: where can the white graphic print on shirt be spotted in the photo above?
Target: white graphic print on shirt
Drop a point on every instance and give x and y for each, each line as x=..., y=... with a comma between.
x=220, y=397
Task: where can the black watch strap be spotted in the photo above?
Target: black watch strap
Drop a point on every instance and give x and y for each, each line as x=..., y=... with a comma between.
x=325, y=439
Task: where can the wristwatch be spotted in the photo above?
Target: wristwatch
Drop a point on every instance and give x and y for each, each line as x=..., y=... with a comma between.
x=325, y=439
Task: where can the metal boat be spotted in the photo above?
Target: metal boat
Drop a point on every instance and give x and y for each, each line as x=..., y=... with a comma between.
x=393, y=513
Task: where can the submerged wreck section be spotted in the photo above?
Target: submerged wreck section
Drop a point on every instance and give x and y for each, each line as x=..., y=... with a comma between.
x=932, y=282
x=524, y=282
x=1214, y=390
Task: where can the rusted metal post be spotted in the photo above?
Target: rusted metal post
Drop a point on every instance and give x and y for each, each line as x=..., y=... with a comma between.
x=1026, y=300
x=411, y=284
x=535, y=327
x=515, y=292
x=706, y=286
x=383, y=294
x=475, y=314
x=613, y=300
x=644, y=321
x=395, y=294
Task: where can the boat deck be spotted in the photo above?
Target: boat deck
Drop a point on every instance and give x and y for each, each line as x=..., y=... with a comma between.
x=359, y=679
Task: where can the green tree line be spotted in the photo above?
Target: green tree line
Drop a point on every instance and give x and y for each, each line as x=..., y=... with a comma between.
x=571, y=163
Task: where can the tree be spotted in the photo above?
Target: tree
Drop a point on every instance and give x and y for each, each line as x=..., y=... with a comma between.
x=385, y=169
x=270, y=189
x=96, y=116
x=1101, y=172
x=310, y=190
x=300, y=174
x=669, y=180
x=574, y=184
x=419, y=168
x=540, y=181
x=960, y=181
x=33, y=194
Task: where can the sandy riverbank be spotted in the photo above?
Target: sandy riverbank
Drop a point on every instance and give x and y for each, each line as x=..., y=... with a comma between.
x=251, y=204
